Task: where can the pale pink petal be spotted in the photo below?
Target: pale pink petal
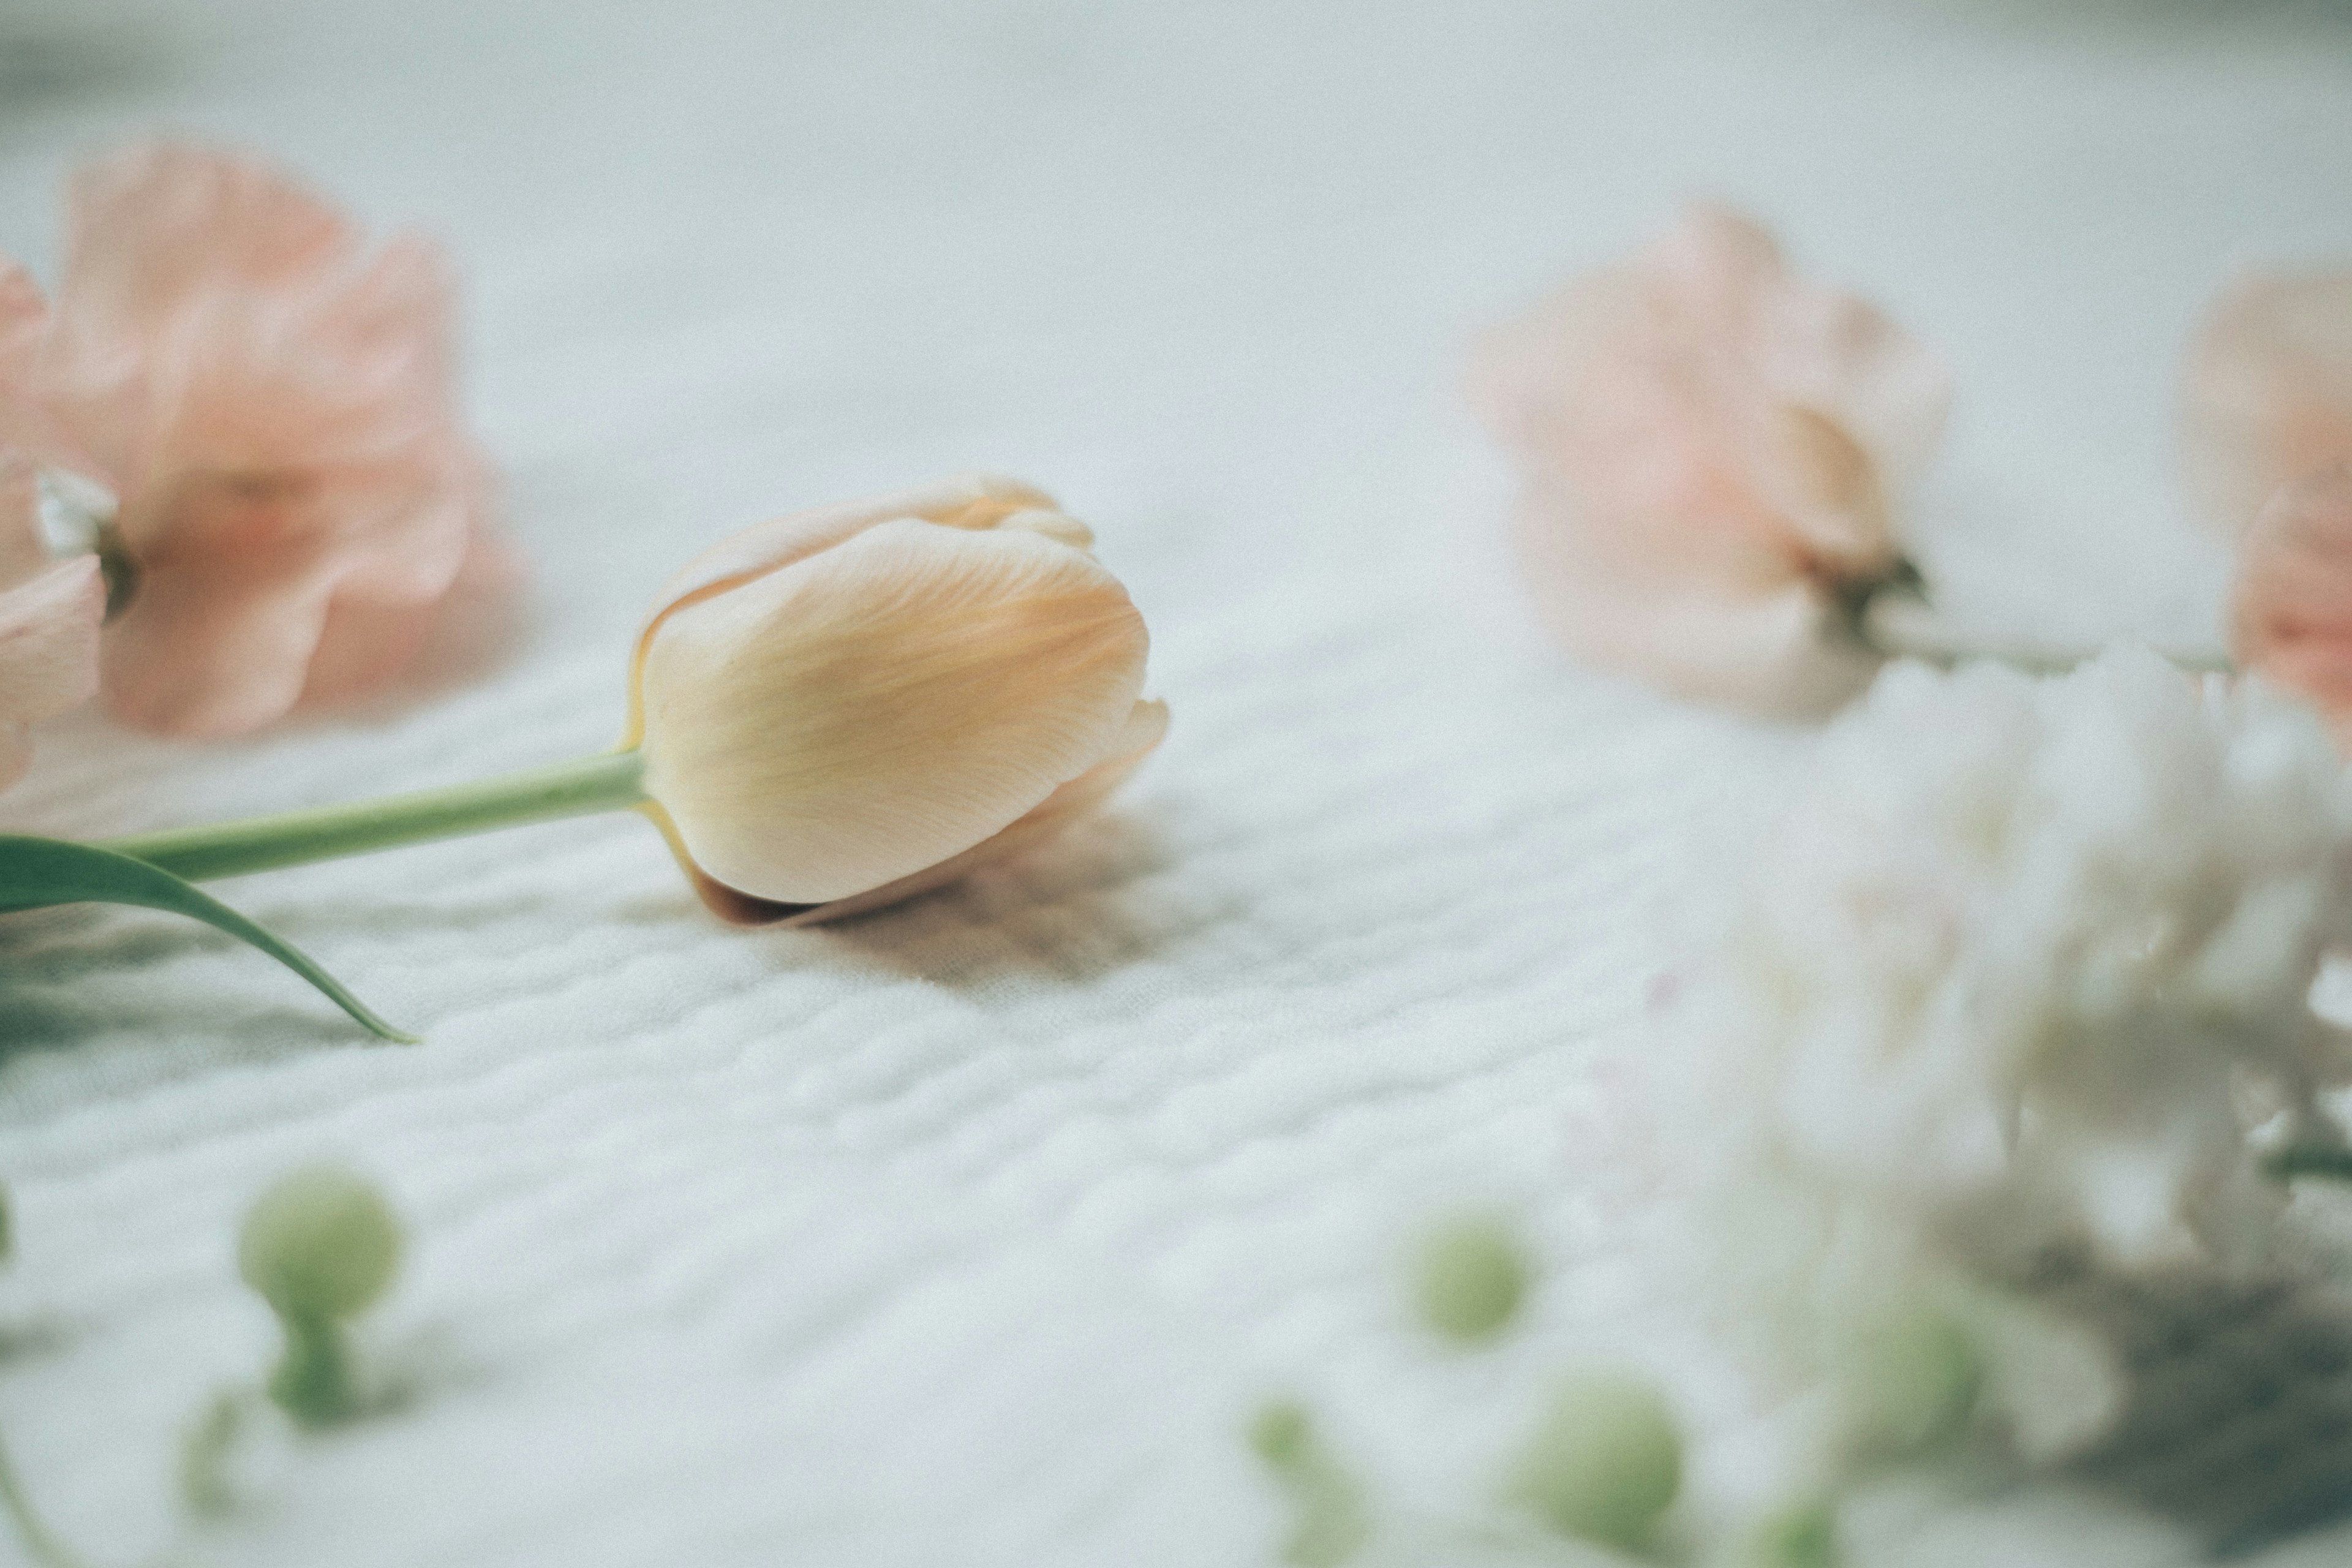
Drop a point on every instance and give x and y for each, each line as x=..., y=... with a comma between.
x=49, y=652
x=1708, y=441
x=206, y=654
x=276, y=409
x=869, y=712
x=26, y=426
x=2291, y=614
x=22, y=552
x=1757, y=645
x=367, y=639
x=2267, y=395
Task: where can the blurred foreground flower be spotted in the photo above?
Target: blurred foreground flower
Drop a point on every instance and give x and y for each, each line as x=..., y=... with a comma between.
x=2023, y=976
x=273, y=408
x=2267, y=397
x=827, y=714
x=1712, y=453
x=321, y=1245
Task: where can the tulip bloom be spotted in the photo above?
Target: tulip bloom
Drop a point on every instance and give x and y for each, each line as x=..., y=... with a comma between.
x=1713, y=451
x=858, y=703
x=2267, y=397
x=274, y=408
x=827, y=714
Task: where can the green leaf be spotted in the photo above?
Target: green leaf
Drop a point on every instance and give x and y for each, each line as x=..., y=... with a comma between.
x=36, y=873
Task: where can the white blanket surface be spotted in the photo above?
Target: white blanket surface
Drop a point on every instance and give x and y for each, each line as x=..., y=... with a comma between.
x=972, y=1233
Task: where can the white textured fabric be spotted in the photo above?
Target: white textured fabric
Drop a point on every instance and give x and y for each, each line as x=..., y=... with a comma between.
x=970, y=1233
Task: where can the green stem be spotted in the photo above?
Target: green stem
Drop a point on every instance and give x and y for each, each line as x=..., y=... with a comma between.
x=2310, y=1160
x=610, y=781
x=1891, y=617
x=46, y=1548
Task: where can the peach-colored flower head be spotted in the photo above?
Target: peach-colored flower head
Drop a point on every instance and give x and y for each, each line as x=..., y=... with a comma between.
x=2291, y=614
x=1712, y=451
x=851, y=705
x=2267, y=397
x=273, y=405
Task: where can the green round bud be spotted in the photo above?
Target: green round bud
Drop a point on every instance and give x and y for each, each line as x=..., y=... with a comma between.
x=1282, y=1435
x=1469, y=1279
x=1606, y=1462
x=1802, y=1535
x=320, y=1244
x=1915, y=1381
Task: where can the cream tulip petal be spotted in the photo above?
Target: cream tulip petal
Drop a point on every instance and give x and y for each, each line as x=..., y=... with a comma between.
x=1146, y=727
x=1059, y=527
x=968, y=500
x=1144, y=731
x=866, y=713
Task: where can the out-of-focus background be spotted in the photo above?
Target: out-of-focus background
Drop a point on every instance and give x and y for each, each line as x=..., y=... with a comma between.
x=972, y=1232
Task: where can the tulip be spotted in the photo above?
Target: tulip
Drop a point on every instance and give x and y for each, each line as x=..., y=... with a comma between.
x=1713, y=452
x=827, y=714
x=859, y=702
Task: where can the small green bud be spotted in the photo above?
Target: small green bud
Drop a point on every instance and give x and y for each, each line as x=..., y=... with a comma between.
x=1329, y=1522
x=205, y=1488
x=1469, y=1279
x=1802, y=1535
x=319, y=1244
x=1915, y=1382
x=1605, y=1464
x=1282, y=1435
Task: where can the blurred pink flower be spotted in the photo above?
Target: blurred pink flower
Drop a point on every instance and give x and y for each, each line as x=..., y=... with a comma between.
x=274, y=408
x=1711, y=450
x=2290, y=615
x=2267, y=395
x=48, y=611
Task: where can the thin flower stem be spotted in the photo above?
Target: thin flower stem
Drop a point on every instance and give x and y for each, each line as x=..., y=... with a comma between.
x=2311, y=1160
x=45, y=1547
x=1899, y=625
x=609, y=781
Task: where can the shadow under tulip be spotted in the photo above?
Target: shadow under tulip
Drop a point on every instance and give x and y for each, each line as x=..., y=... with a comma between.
x=1071, y=909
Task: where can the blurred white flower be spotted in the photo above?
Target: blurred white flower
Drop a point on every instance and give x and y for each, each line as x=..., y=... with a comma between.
x=2019, y=974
